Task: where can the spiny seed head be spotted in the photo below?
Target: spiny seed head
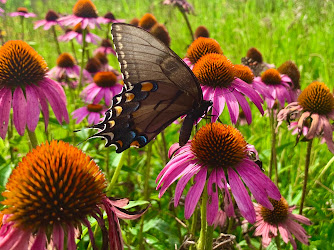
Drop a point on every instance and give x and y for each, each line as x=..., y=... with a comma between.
x=20, y=65
x=214, y=70
x=134, y=21
x=255, y=54
x=201, y=31
x=317, y=98
x=106, y=43
x=85, y=8
x=271, y=77
x=51, y=16
x=279, y=214
x=94, y=107
x=105, y=79
x=101, y=57
x=109, y=16
x=202, y=46
x=147, y=21
x=219, y=145
x=290, y=69
x=22, y=10
x=244, y=73
x=65, y=60
x=159, y=31
x=55, y=183
x=93, y=65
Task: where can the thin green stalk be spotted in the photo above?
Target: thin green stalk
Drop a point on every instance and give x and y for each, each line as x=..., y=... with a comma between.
x=205, y=229
x=331, y=161
x=187, y=22
x=193, y=226
x=9, y=137
x=73, y=50
x=273, y=161
x=116, y=173
x=146, y=194
x=22, y=27
x=108, y=31
x=307, y=164
x=32, y=138
x=164, y=144
x=56, y=39
x=278, y=242
x=107, y=161
x=84, y=32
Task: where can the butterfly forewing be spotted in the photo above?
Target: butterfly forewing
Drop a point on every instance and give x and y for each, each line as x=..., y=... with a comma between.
x=142, y=57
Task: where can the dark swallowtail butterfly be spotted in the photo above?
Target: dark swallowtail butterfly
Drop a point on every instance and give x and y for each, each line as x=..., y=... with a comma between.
x=255, y=66
x=159, y=88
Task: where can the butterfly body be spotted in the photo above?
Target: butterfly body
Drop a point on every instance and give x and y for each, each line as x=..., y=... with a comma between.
x=159, y=88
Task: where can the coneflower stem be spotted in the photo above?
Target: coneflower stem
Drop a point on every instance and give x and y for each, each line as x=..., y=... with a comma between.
x=187, y=22
x=278, y=242
x=73, y=50
x=206, y=231
x=116, y=173
x=307, y=164
x=32, y=138
x=82, y=56
x=108, y=31
x=22, y=27
x=273, y=161
x=146, y=193
x=9, y=137
x=56, y=39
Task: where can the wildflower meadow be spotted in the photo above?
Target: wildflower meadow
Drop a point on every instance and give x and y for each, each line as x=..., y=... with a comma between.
x=166, y=124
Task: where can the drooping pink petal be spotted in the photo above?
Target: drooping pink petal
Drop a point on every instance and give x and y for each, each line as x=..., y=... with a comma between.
x=212, y=203
x=5, y=104
x=298, y=231
x=282, y=94
x=80, y=114
x=44, y=105
x=328, y=135
x=12, y=237
x=232, y=105
x=195, y=192
x=244, y=105
x=58, y=237
x=40, y=240
x=39, y=23
x=32, y=108
x=119, y=202
x=71, y=238
x=19, y=111
x=218, y=104
x=90, y=232
x=189, y=173
x=283, y=232
x=241, y=196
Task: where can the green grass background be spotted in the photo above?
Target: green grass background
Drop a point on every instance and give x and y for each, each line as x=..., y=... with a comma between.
x=301, y=31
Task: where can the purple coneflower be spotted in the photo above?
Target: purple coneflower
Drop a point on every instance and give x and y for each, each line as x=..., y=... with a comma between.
x=278, y=86
x=183, y=5
x=67, y=72
x=51, y=194
x=147, y=21
x=104, y=62
x=1, y=11
x=106, y=85
x=25, y=87
x=77, y=34
x=282, y=220
x=314, y=110
x=84, y=14
x=3, y=1
x=159, y=31
x=109, y=18
x=51, y=19
x=290, y=69
x=218, y=150
x=200, y=47
x=217, y=77
x=94, y=112
x=22, y=11
x=201, y=31
x=105, y=47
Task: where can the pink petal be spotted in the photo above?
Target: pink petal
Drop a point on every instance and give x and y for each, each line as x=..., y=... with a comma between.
x=232, y=105
x=19, y=111
x=189, y=173
x=5, y=104
x=241, y=196
x=58, y=237
x=222, y=184
x=194, y=193
x=40, y=241
x=212, y=203
x=32, y=108
x=71, y=238
x=244, y=105
x=218, y=104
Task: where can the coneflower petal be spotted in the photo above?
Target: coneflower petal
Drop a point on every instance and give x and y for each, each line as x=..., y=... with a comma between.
x=19, y=111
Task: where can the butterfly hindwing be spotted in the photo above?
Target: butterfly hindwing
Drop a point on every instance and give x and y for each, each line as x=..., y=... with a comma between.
x=139, y=114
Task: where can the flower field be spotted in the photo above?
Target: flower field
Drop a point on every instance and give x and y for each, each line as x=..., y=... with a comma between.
x=166, y=124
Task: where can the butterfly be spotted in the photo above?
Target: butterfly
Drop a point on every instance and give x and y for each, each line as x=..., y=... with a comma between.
x=255, y=66
x=159, y=88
